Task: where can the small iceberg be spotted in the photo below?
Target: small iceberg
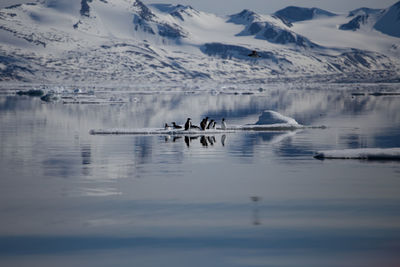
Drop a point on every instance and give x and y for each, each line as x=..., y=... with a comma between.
x=274, y=121
x=361, y=153
x=273, y=117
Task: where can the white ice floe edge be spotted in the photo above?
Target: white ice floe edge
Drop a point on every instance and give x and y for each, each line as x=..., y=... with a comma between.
x=230, y=129
x=361, y=153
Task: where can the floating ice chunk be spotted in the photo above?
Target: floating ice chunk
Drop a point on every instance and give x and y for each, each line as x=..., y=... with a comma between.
x=169, y=131
x=158, y=131
x=273, y=117
x=268, y=121
x=361, y=153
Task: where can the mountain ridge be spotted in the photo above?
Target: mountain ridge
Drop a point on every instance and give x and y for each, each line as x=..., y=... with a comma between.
x=296, y=14
x=125, y=41
x=386, y=21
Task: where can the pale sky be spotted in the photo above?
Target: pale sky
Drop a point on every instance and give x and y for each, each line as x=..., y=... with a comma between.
x=227, y=7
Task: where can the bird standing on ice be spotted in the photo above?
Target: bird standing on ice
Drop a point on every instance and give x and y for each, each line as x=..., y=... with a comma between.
x=203, y=123
x=223, y=124
x=176, y=126
x=211, y=124
x=188, y=124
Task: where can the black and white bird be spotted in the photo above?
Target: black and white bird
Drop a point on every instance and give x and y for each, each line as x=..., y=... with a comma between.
x=211, y=125
x=176, y=126
x=203, y=123
x=214, y=125
x=223, y=124
x=188, y=124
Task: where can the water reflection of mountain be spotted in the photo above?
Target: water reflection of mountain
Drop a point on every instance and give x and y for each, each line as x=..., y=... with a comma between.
x=142, y=148
x=306, y=107
x=59, y=166
x=86, y=155
x=245, y=144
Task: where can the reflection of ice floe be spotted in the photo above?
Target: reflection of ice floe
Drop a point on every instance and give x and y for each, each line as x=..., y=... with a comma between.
x=100, y=192
x=31, y=92
x=361, y=153
x=268, y=121
x=50, y=97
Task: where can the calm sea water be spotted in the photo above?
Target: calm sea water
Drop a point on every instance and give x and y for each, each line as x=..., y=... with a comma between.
x=241, y=199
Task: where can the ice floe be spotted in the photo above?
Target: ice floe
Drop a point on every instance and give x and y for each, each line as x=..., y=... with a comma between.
x=268, y=121
x=361, y=153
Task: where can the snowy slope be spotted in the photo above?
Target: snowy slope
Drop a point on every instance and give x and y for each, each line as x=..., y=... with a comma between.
x=364, y=11
x=327, y=32
x=294, y=13
x=271, y=28
x=126, y=42
x=386, y=21
x=389, y=22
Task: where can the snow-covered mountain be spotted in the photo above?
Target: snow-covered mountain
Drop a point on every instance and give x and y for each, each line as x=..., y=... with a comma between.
x=294, y=13
x=386, y=21
x=356, y=23
x=130, y=43
x=389, y=22
x=364, y=11
x=270, y=28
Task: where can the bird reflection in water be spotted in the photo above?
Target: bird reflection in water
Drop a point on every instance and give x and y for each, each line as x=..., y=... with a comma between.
x=211, y=140
x=205, y=141
x=173, y=139
x=223, y=138
x=189, y=139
